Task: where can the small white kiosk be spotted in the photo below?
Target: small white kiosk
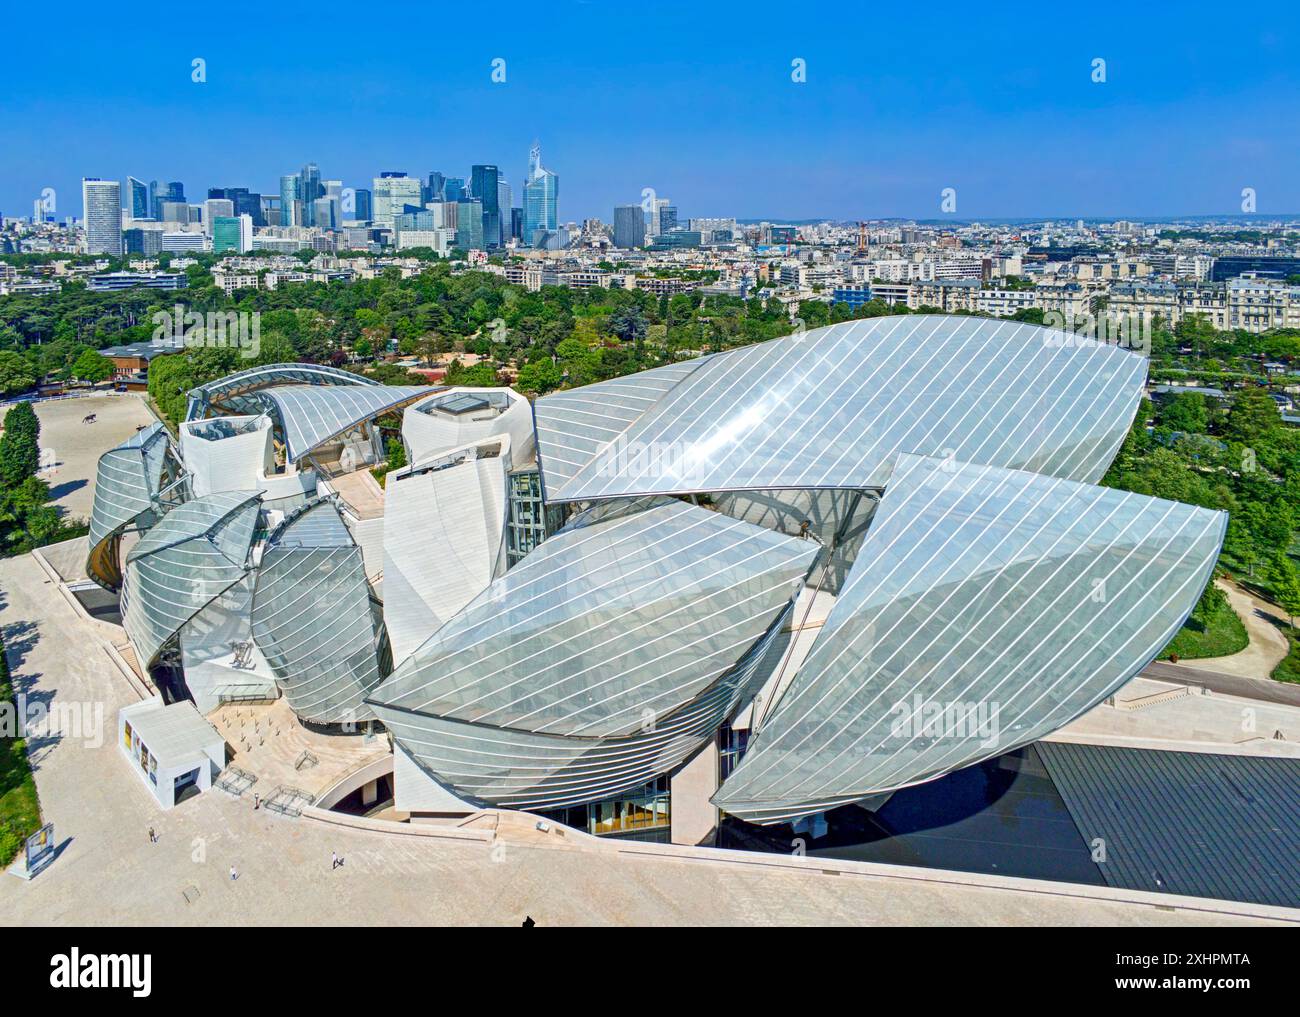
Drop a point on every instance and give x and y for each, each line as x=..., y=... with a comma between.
x=175, y=752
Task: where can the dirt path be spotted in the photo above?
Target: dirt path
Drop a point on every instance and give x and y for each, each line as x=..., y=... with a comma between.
x=1267, y=644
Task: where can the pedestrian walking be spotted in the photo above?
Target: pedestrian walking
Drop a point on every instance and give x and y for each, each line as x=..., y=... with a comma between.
x=257, y=801
x=334, y=860
x=153, y=837
x=233, y=874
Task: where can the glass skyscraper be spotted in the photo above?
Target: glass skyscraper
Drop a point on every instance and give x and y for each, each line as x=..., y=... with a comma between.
x=469, y=225
x=290, y=200
x=541, y=198
x=453, y=189
x=394, y=191
x=483, y=186
x=310, y=185
x=138, y=197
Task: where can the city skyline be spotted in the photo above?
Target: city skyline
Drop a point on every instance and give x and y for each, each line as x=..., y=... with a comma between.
x=704, y=108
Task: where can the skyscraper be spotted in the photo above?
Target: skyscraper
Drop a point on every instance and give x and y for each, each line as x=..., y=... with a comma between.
x=433, y=192
x=469, y=225
x=503, y=207
x=483, y=186
x=214, y=209
x=159, y=193
x=394, y=191
x=245, y=202
x=541, y=197
x=101, y=203
x=138, y=198
x=656, y=210
x=310, y=185
x=629, y=226
x=290, y=200
x=363, y=209
x=453, y=189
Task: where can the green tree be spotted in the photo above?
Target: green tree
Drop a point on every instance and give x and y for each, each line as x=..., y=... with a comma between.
x=1285, y=580
x=1254, y=416
x=92, y=366
x=16, y=374
x=20, y=455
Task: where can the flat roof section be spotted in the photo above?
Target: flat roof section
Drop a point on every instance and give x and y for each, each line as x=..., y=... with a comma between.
x=1192, y=823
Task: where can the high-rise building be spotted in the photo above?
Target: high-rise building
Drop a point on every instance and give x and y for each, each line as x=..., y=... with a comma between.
x=245, y=202
x=290, y=200
x=469, y=225
x=159, y=193
x=142, y=241
x=656, y=209
x=541, y=197
x=667, y=219
x=101, y=203
x=137, y=198
x=503, y=207
x=214, y=209
x=311, y=188
x=517, y=223
x=232, y=233
x=433, y=191
x=363, y=209
x=394, y=191
x=483, y=186
x=629, y=226
x=453, y=189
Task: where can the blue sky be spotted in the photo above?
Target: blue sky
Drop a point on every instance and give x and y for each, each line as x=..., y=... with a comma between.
x=692, y=99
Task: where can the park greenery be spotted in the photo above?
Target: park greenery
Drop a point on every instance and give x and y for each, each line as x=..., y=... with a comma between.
x=27, y=519
x=1235, y=454
x=20, y=814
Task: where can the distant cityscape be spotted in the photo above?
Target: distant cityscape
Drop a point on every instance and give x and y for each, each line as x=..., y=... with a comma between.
x=1239, y=274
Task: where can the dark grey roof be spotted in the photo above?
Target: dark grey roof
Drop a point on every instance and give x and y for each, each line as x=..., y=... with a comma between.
x=1192, y=823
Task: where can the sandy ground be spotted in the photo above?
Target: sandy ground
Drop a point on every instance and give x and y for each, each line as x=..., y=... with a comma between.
x=73, y=449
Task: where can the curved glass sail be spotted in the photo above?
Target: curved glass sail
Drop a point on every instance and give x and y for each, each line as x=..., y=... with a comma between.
x=128, y=480
x=192, y=556
x=608, y=627
x=987, y=608
x=834, y=407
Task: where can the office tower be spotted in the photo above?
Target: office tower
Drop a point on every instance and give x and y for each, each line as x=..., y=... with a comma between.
x=245, y=202
x=179, y=211
x=214, y=209
x=325, y=213
x=453, y=189
x=434, y=192
x=290, y=200
x=142, y=241
x=101, y=203
x=232, y=233
x=137, y=198
x=483, y=186
x=311, y=189
x=517, y=223
x=363, y=208
x=629, y=226
x=656, y=207
x=159, y=193
x=667, y=219
x=270, y=210
x=38, y=210
x=469, y=225
x=394, y=190
x=503, y=207
x=541, y=197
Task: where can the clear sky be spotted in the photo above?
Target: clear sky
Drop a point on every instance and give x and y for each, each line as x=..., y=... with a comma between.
x=692, y=99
